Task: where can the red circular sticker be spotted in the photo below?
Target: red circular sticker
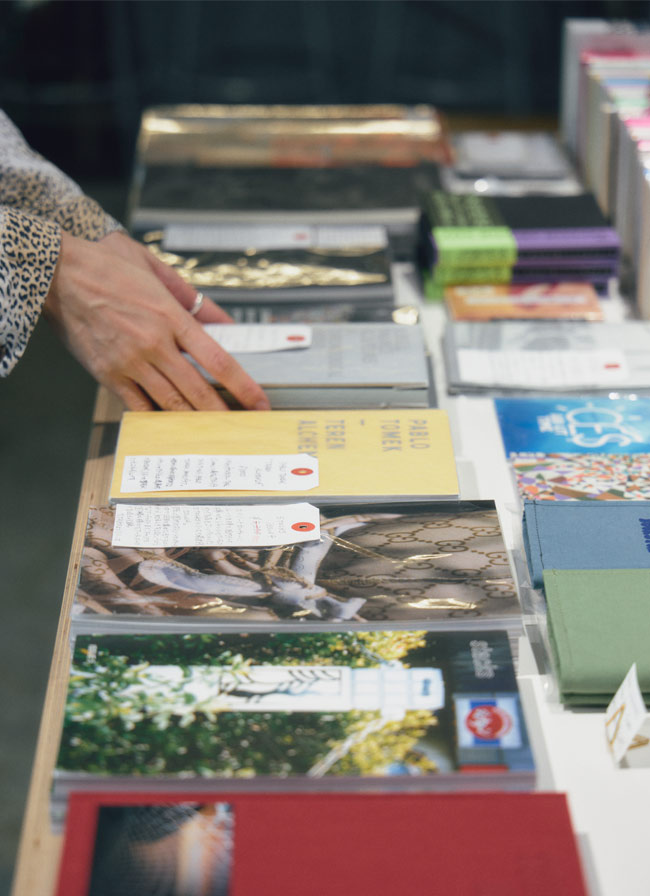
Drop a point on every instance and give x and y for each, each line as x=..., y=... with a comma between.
x=488, y=722
x=303, y=527
x=302, y=471
x=295, y=337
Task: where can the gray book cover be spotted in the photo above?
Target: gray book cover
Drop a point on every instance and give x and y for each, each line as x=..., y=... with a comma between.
x=348, y=365
x=547, y=356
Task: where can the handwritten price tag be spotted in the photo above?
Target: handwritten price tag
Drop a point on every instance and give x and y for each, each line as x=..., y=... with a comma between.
x=253, y=338
x=219, y=472
x=210, y=525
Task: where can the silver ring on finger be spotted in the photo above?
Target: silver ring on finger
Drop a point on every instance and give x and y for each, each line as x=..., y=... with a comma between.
x=198, y=302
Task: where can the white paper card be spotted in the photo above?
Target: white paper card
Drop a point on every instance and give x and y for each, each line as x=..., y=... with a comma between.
x=239, y=237
x=543, y=369
x=219, y=472
x=625, y=715
x=209, y=525
x=249, y=338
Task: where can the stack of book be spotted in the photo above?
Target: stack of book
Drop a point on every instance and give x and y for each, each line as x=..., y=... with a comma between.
x=227, y=637
x=471, y=238
x=340, y=365
x=282, y=272
x=509, y=163
x=592, y=448
x=287, y=164
x=606, y=125
x=288, y=628
x=591, y=559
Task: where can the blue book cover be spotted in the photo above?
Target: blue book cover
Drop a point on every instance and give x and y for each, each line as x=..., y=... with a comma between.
x=585, y=535
x=582, y=425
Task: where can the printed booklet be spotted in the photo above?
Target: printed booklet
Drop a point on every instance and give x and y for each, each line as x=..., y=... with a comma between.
x=224, y=843
x=578, y=425
x=369, y=456
x=397, y=710
x=387, y=566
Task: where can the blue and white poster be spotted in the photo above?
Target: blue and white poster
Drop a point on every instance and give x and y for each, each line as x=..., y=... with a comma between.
x=582, y=425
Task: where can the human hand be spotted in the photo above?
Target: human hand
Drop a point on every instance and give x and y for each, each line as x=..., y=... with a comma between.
x=123, y=314
x=119, y=243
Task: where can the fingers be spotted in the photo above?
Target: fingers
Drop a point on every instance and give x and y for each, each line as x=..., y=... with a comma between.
x=211, y=313
x=171, y=384
x=183, y=292
x=178, y=386
x=122, y=323
x=132, y=396
x=223, y=367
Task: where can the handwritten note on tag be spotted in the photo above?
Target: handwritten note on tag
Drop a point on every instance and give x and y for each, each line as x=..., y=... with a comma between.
x=209, y=525
x=249, y=338
x=219, y=472
x=534, y=368
x=625, y=715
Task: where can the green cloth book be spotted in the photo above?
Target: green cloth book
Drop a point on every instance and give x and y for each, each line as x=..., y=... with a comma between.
x=599, y=624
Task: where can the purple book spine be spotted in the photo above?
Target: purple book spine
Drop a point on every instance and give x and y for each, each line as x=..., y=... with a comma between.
x=568, y=239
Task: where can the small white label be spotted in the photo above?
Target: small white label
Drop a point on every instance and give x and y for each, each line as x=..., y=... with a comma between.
x=543, y=369
x=219, y=472
x=240, y=237
x=209, y=525
x=249, y=338
x=625, y=715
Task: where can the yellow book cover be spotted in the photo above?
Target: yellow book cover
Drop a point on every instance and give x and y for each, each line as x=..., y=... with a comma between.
x=372, y=455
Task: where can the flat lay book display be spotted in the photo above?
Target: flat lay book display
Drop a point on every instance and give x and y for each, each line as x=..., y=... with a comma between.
x=397, y=710
x=598, y=625
x=365, y=456
x=585, y=535
x=379, y=657
x=352, y=365
x=387, y=566
x=119, y=843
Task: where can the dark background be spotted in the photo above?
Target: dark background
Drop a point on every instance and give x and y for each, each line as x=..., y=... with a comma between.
x=75, y=77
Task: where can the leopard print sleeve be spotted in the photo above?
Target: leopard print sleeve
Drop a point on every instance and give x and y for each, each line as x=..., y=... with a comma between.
x=29, y=250
x=32, y=184
x=36, y=202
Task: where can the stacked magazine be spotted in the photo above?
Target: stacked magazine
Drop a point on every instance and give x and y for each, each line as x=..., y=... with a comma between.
x=367, y=646
x=472, y=238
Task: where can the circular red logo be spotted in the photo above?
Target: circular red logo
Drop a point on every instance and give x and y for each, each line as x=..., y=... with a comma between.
x=488, y=722
x=302, y=471
x=303, y=527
